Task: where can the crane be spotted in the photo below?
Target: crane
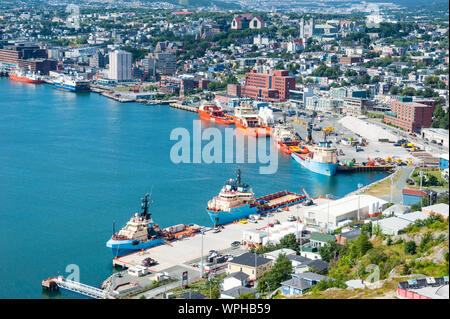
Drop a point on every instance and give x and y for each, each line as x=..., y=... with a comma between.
x=309, y=200
x=327, y=131
x=309, y=139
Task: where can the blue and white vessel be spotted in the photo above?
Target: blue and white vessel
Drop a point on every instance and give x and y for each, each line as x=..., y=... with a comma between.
x=139, y=233
x=321, y=159
x=234, y=202
x=72, y=84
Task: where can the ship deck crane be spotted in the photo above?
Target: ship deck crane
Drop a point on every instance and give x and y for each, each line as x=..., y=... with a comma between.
x=309, y=139
x=326, y=132
x=309, y=201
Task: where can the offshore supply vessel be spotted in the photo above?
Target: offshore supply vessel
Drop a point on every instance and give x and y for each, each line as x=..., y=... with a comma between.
x=139, y=233
x=285, y=138
x=237, y=201
x=248, y=120
x=214, y=113
x=26, y=77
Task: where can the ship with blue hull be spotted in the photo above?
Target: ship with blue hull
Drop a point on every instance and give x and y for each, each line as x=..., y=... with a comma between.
x=321, y=159
x=139, y=233
x=72, y=85
x=237, y=201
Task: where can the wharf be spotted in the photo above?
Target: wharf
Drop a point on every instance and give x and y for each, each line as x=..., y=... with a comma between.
x=182, y=252
x=361, y=168
x=183, y=107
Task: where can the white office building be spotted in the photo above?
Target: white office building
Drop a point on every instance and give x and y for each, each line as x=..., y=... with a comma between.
x=120, y=66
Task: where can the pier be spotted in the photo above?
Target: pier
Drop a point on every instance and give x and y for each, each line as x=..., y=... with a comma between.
x=183, y=107
x=56, y=283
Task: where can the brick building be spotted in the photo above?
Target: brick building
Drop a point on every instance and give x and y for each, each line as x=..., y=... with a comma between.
x=408, y=115
x=29, y=57
x=274, y=86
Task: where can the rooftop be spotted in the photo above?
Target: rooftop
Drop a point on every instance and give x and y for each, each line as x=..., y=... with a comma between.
x=296, y=283
x=248, y=259
x=322, y=237
x=237, y=291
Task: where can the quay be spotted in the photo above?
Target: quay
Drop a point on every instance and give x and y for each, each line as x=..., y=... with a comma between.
x=362, y=168
x=183, y=107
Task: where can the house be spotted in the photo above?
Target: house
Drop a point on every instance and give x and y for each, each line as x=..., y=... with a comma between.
x=342, y=238
x=246, y=21
x=413, y=196
x=251, y=264
x=274, y=254
x=299, y=283
x=302, y=264
x=192, y=295
x=236, y=279
x=391, y=225
x=310, y=252
x=318, y=239
x=235, y=292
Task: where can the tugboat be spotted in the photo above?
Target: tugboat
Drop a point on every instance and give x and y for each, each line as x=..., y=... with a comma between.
x=139, y=233
x=235, y=201
x=214, y=113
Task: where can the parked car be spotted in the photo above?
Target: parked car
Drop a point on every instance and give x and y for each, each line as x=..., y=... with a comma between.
x=235, y=244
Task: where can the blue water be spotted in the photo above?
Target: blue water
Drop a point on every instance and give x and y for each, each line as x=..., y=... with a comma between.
x=71, y=164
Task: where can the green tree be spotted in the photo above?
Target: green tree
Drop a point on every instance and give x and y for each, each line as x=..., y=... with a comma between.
x=281, y=271
x=410, y=247
x=329, y=251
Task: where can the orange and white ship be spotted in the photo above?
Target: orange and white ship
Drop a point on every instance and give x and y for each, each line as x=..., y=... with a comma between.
x=285, y=138
x=27, y=77
x=248, y=120
x=214, y=113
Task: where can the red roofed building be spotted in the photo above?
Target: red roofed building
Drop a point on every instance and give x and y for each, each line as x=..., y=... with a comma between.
x=274, y=86
x=246, y=21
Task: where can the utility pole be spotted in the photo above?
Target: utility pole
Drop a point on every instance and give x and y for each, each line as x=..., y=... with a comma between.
x=392, y=187
x=359, y=194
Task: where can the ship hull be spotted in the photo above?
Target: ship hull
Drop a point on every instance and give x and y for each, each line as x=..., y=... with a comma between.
x=235, y=214
x=254, y=131
x=124, y=247
x=24, y=79
x=315, y=166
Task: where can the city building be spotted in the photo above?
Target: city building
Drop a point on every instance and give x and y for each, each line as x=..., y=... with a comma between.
x=120, y=66
x=354, y=106
x=408, y=115
x=273, y=86
x=26, y=56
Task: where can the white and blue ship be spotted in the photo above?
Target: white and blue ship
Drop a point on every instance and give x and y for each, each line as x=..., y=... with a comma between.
x=139, y=233
x=322, y=159
x=237, y=201
x=72, y=84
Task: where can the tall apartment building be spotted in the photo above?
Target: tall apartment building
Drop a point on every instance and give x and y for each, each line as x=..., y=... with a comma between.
x=120, y=66
x=408, y=115
x=274, y=86
x=165, y=63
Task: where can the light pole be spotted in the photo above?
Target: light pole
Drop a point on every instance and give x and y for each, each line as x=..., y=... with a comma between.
x=392, y=186
x=359, y=195
x=201, y=256
x=328, y=210
x=421, y=176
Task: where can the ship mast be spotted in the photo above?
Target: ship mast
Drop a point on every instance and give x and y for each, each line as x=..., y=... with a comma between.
x=144, y=206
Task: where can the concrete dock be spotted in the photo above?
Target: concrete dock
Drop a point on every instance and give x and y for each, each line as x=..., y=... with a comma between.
x=184, y=252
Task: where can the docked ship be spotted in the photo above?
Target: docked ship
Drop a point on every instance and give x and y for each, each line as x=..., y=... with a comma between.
x=321, y=159
x=139, y=233
x=237, y=201
x=26, y=77
x=72, y=84
x=214, y=113
x=248, y=120
x=285, y=138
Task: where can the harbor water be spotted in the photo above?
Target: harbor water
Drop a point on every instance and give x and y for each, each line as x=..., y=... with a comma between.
x=72, y=164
